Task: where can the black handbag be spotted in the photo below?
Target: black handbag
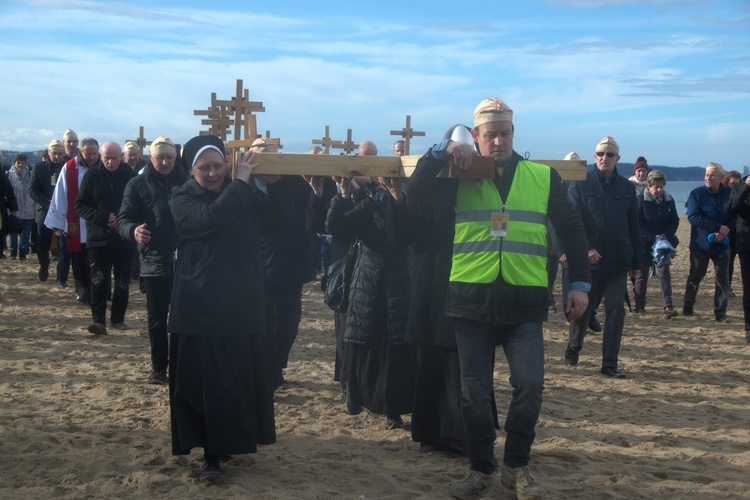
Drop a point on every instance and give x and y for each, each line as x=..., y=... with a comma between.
x=15, y=225
x=338, y=280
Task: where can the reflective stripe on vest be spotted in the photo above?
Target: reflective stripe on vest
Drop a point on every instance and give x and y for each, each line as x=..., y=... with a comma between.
x=524, y=250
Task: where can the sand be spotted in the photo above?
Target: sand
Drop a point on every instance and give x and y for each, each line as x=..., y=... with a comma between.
x=79, y=421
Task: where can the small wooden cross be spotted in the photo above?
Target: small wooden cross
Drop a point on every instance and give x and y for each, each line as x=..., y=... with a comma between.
x=348, y=145
x=141, y=141
x=276, y=140
x=327, y=142
x=407, y=133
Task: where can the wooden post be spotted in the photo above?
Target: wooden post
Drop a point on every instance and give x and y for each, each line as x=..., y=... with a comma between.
x=407, y=133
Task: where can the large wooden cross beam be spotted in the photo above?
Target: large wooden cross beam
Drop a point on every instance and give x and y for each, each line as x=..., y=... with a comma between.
x=390, y=166
x=407, y=133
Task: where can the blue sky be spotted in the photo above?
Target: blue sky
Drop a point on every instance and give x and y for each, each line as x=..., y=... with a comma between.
x=670, y=80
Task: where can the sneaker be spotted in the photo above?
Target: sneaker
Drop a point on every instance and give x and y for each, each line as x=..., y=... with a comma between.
x=158, y=377
x=723, y=319
x=472, y=483
x=521, y=480
x=98, y=328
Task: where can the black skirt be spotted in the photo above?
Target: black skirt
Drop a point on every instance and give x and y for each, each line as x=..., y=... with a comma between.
x=220, y=395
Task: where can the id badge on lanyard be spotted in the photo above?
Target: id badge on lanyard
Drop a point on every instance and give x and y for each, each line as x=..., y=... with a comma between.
x=499, y=224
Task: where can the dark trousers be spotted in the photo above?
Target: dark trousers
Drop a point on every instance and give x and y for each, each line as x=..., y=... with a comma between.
x=524, y=350
x=745, y=275
x=698, y=267
x=158, y=296
x=63, y=260
x=283, y=314
x=103, y=262
x=553, y=263
x=43, y=244
x=640, y=284
x=611, y=286
x=79, y=262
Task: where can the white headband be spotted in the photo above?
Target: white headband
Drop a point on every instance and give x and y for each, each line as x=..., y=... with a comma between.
x=201, y=150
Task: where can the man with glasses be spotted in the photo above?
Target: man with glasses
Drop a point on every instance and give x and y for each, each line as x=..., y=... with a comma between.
x=607, y=203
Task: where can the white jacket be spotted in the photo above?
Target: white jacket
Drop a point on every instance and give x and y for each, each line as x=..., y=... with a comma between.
x=57, y=215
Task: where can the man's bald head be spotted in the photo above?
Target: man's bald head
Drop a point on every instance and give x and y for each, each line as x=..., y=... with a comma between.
x=111, y=155
x=316, y=150
x=367, y=148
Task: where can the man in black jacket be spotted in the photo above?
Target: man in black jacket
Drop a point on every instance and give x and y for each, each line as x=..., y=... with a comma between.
x=43, y=179
x=497, y=291
x=608, y=206
x=145, y=218
x=8, y=203
x=99, y=199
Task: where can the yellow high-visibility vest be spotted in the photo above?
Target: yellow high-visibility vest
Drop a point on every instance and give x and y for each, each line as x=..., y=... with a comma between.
x=477, y=253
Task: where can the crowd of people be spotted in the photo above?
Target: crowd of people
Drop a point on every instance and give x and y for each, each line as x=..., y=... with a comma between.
x=446, y=270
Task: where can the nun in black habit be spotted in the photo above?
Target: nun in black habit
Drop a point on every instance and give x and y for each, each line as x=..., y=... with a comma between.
x=220, y=391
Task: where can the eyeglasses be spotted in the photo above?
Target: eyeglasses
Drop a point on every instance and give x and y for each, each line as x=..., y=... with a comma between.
x=602, y=153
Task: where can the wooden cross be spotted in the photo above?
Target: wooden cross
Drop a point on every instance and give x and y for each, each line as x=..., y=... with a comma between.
x=141, y=141
x=407, y=133
x=242, y=108
x=391, y=166
x=327, y=142
x=218, y=120
x=348, y=145
x=276, y=140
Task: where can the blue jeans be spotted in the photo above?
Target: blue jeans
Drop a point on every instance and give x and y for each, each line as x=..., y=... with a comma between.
x=23, y=251
x=524, y=350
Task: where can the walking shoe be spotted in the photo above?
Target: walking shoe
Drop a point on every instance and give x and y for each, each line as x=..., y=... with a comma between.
x=13, y=254
x=521, y=480
x=43, y=273
x=61, y=284
x=396, y=423
x=594, y=324
x=22, y=258
x=571, y=358
x=120, y=326
x=613, y=372
x=158, y=377
x=747, y=336
x=98, y=328
x=669, y=312
x=210, y=468
x=472, y=483
x=723, y=319
x=687, y=311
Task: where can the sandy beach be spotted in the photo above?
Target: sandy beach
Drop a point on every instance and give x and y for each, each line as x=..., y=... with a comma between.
x=79, y=421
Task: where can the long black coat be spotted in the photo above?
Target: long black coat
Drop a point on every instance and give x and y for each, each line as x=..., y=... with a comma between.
x=146, y=200
x=381, y=275
x=738, y=205
x=43, y=179
x=218, y=283
x=101, y=194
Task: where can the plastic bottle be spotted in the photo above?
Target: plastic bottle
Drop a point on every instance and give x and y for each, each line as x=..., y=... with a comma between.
x=712, y=237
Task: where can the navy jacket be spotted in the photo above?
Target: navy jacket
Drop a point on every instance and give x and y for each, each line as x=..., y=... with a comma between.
x=656, y=218
x=705, y=211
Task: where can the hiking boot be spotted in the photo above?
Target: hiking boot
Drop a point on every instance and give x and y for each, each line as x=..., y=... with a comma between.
x=472, y=483
x=158, y=377
x=521, y=480
x=98, y=328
